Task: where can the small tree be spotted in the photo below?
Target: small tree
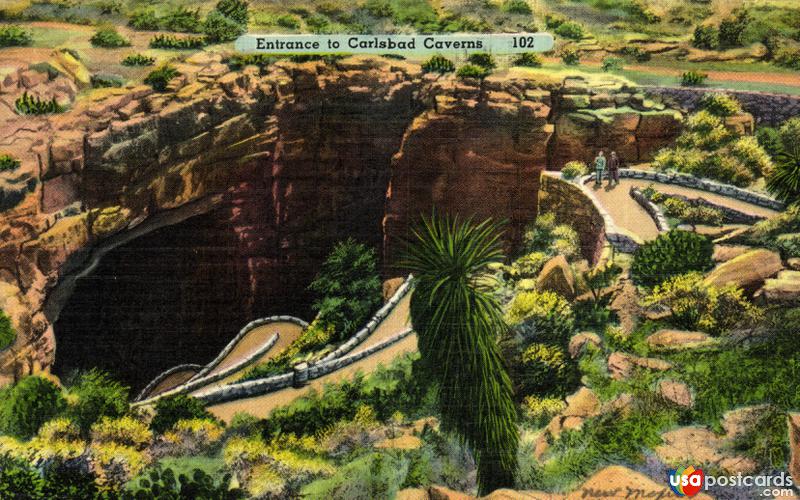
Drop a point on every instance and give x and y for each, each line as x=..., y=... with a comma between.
x=29, y=404
x=235, y=10
x=96, y=395
x=170, y=410
x=705, y=37
x=347, y=288
x=217, y=28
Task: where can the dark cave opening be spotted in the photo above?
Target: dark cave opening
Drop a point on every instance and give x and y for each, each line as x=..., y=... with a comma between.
x=176, y=295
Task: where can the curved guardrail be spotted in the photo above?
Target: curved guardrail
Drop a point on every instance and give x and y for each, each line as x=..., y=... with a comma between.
x=651, y=208
x=163, y=375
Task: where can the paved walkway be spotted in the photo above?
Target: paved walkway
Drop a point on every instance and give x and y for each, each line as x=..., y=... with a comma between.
x=629, y=215
x=395, y=323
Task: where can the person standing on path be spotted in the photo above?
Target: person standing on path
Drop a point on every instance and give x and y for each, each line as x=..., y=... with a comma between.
x=599, y=167
x=613, y=168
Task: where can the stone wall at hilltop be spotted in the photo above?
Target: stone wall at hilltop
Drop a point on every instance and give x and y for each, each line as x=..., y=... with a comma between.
x=289, y=162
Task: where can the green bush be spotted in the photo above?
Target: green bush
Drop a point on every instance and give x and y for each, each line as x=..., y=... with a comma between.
x=693, y=78
x=235, y=10
x=544, y=235
x=375, y=475
x=574, y=169
x=19, y=480
x=516, y=7
x=553, y=21
x=347, y=288
x=612, y=63
x=472, y=71
x=144, y=20
x=544, y=317
x=570, y=56
x=703, y=215
x=29, y=404
x=93, y=395
x=544, y=369
x=378, y=8
x=636, y=53
x=239, y=61
x=571, y=30
x=769, y=139
x=528, y=266
x=539, y=411
x=528, y=59
x=68, y=480
x=438, y=64
x=670, y=254
x=697, y=306
x=138, y=60
x=160, y=78
x=176, y=42
x=720, y=104
x=705, y=37
x=288, y=21
x=162, y=483
x=788, y=57
x=7, y=164
x=783, y=181
x=101, y=80
x=169, y=410
x=109, y=38
x=11, y=36
x=27, y=104
x=217, y=28
x=482, y=59
x=732, y=29
x=7, y=333
x=182, y=20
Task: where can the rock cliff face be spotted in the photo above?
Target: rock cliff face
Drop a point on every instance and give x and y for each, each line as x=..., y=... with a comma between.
x=286, y=163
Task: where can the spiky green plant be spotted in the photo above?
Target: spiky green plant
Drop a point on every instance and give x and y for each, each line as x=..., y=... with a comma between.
x=784, y=182
x=458, y=324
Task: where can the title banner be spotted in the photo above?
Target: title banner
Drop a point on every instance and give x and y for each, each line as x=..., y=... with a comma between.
x=501, y=43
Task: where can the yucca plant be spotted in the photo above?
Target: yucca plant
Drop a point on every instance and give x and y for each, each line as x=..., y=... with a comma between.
x=784, y=182
x=458, y=325
x=27, y=104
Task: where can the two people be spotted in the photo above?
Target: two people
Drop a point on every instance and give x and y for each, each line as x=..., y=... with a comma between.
x=600, y=164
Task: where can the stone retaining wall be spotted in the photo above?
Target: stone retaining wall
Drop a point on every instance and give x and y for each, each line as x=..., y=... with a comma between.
x=652, y=209
x=766, y=108
x=690, y=181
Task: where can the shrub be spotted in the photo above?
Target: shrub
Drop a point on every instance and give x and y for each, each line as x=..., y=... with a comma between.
x=374, y=475
x=612, y=63
x=670, y=254
x=124, y=431
x=217, y=28
x=68, y=479
x=705, y=37
x=182, y=20
x=528, y=266
x=545, y=369
x=693, y=78
x=545, y=317
x=636, y=53
x=541, y=410
x=162, y=483
x=235, y=10
x=19, y=480
x=553, y=21
x=27, y=104
x=732, y=29
x=59, y=429
x=94, y=394
x=11, y=36
x=472, y=71
x=193, y=436
x=769, y=139
x=378, y=8
x=703, y=215
x=516, y=7
x=288, y=21
x=675, y=207
x=438, y=64
x=528, y=59
x=570, y=56
x=160, y=78
x=29, y=404
x=697, y=306
x=571, y=30
x=482, y=59
x=747, y=150
x=545, y=236
x=765, y=439
x=7, y=333
x=347, y=288
x=177, y=43
x=172, y=409
x=720, y=104
x=574, y=169
x=108, y=37
x=144, y=20
x=138, y=60
x=101, y=80
x=783, y=182
x=788, y=57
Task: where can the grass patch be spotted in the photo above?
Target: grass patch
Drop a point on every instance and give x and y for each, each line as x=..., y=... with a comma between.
x=177, y=42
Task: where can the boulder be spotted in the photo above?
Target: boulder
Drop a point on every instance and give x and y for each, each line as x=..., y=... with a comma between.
x=583, y=403
x=793, y=421
x=784, y=289
x=794, y=263
x=390, y=286
x=622, y=365
x=695, y=444
x=676, y=393
x=443, y=493
x=616, y=481
x=747, y=271
x=556, y=276
x=724, y=253
x=579, y=341
x=626, y=305
x=741, y=420
x=677, y=340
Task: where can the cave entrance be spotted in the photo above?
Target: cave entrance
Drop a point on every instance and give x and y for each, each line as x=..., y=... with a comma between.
x=175, y=295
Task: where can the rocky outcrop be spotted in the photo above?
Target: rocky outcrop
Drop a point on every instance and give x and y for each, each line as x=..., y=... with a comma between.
x=783, y=289
x=676, y=393
x=288, y=160
x=556, y=276
x=678, y=340
x=579, y=342
x=622, y=365
x=747, y=271
x=700, y=445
